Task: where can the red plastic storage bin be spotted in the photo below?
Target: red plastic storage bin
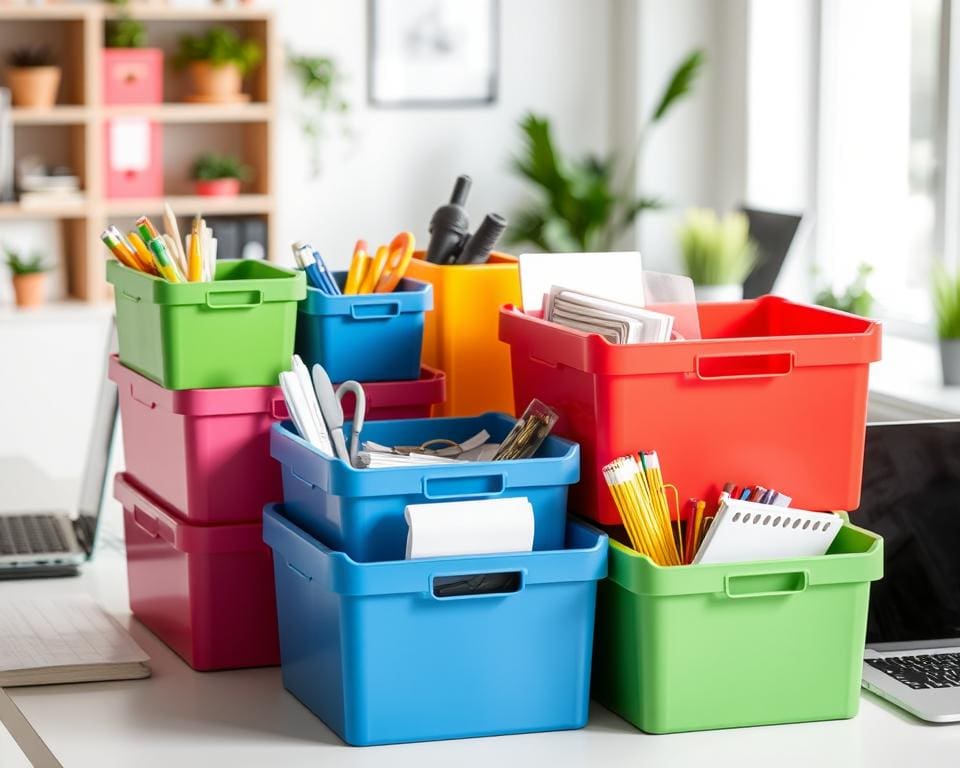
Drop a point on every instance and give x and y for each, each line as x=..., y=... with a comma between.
x=775, y=393
x=145, y=178
x=206, y=591
x=132, y=75
x=205, y=453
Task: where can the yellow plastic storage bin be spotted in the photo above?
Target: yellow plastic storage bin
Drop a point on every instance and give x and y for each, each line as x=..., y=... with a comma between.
x=461, y=334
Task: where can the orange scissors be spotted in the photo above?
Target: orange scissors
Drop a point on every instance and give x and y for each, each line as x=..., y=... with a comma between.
x=401, y=251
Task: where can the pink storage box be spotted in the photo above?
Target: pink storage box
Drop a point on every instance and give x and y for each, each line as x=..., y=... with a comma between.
x=206, y=591
x=133, y=166
x=132, y=76
x=205, y=453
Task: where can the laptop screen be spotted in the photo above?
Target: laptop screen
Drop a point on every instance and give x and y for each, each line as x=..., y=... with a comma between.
x=911, y=496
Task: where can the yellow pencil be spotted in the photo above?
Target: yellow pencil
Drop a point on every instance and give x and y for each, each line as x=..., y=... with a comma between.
x=195, y=261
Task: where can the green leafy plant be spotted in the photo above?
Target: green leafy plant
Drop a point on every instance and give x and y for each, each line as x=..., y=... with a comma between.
x=716, y=251
x=210, y=166
x=946, y=303
x=321, y=88
x=582, y=204
x=219, y=46
x=27, y=56
x=856, y=298
x=124, y=31
x=24, y=265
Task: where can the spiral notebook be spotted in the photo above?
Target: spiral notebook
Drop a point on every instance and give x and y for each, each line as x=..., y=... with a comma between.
x=747, y=530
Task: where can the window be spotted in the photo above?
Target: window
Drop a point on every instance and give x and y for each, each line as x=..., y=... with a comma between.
x=879, y=166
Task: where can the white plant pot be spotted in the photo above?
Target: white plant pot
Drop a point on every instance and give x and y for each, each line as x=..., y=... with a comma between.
x=950, y=361
x=704, y=293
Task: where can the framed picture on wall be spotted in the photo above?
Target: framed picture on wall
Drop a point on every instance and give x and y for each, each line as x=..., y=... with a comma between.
x=433, y=53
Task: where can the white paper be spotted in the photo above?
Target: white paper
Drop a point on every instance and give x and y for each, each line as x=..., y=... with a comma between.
x=61, y=632
x=129, y=144
x=616, y=276
x=481, y=527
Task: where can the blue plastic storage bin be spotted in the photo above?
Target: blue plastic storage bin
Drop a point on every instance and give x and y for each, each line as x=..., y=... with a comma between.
x=360, y=511
x=375, y=653
x=366, y=337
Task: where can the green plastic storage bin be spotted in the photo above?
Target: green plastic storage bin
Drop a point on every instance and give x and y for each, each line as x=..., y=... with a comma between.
x=236, y=331
x=696, y=647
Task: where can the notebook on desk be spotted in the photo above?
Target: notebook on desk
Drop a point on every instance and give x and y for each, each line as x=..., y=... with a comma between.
x=65, y=640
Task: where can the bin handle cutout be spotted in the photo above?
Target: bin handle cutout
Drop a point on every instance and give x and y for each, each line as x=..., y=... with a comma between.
x=146, y=522
x=464, y=486
x=151, y=404
x=278, y=409
x=382, y=311
x=764, y=365
x=468, y=586
x=766, y=584
x=234, y=299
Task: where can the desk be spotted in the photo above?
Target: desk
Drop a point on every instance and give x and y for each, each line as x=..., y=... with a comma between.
x=183, y=718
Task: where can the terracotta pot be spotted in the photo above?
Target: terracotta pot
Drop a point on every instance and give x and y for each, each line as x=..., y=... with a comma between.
x=34, y=86
x=217, y=187
x=215, y=83
x=29, y=289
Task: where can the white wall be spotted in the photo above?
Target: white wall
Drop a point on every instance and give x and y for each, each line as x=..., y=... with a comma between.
x=402, y=164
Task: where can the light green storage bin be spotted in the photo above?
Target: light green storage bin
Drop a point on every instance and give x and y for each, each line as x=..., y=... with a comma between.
x=697, y=647
x=236, y=331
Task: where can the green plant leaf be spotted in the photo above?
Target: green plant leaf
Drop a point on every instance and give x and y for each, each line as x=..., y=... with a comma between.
x=681, y=83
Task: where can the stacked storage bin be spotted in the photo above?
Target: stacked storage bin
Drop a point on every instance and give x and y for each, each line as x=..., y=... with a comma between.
x=388, y=650
x=197, y=375
x=774, y=393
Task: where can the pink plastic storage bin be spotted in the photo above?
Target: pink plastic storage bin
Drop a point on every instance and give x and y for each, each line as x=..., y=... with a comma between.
x=146, y=181
x=205, y=453
x=206, y=591
x=132, y=76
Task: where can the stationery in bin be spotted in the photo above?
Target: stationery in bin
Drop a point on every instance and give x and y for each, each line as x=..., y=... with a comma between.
x=617, y=322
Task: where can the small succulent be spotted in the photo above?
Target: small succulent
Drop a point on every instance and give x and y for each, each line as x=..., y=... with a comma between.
x=211, y=166
x=24, y=265
x=31, y=56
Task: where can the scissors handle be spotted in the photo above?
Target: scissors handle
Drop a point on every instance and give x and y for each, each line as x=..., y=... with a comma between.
x=401, y=251
x=359, y=412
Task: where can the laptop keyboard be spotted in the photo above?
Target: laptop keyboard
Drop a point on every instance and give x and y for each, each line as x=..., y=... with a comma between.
x=934, y=670
x=30, y=534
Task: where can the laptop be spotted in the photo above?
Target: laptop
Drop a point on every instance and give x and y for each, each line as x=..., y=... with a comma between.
x=57, y=542
x=776, y=236
x=911, y=496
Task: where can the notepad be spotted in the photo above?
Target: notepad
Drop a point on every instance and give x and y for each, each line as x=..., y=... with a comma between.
x=65, y=640
x=747, y=530
x=616, y=321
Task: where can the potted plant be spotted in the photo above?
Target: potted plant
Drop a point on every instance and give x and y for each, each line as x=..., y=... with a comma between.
x=132, y=73
x=218, y=175
x=33, y=76
x=216, y=63
x=29, y=278
x=946, y=305
x=855, y=299
x=718, y=253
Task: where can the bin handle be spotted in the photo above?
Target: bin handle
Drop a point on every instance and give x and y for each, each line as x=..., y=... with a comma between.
x=783, y=362
x=730, y=581
x=278, y=409
x=152, y=523
x=450, y=486
x=130, y=297
x=234, y=299
x=473, y=586
x=151, y=404
x=382, y=311
x=301, y=479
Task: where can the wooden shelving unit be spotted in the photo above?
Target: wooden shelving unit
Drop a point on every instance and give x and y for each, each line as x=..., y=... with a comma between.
x=76, y=125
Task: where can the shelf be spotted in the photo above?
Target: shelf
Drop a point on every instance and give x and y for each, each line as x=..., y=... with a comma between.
x=62, y=12
x=188, y=205
x=158, y=12
x=70, y=210
x=62, y=114
x=193, y=113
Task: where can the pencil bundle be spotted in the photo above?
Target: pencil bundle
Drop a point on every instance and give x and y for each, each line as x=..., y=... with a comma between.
x=165, y=255
x=640, y=495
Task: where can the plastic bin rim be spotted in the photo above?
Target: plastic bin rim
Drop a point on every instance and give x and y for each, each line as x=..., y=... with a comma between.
x=498, y=260
x=782, y=565
x=287, y=429
x=468, y=563
x=413, y=296
x=870, y=327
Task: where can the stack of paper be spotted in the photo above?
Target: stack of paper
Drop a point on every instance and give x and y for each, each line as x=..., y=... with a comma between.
x=617, y=322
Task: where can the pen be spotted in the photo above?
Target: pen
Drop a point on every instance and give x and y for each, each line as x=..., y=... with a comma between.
x=303, y=253
x=161, y=258
x=332, y=288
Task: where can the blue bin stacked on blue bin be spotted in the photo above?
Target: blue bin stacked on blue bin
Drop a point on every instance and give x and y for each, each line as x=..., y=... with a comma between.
x=386, y=650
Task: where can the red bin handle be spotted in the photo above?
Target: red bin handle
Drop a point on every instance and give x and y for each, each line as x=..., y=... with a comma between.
x=735, y=367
